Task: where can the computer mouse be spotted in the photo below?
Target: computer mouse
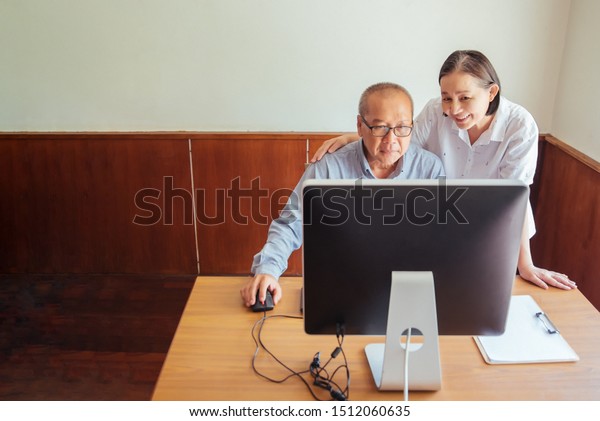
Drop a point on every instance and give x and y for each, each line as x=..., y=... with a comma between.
x=268, y=304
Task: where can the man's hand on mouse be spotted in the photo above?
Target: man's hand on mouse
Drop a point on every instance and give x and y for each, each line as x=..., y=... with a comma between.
x=261, y=283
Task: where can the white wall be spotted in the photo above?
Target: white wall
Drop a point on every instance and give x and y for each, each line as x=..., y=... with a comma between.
x=263, y=65
x=577, y=109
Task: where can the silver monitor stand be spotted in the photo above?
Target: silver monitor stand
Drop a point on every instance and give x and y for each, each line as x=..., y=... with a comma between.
x=412, y=309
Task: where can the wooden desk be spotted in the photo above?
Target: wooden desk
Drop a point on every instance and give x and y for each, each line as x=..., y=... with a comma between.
x=210, y=356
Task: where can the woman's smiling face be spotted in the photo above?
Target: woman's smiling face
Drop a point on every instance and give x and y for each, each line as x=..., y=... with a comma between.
x=466, y=101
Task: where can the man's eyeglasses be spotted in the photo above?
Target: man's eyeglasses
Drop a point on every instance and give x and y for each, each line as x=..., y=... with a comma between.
x=382, y=131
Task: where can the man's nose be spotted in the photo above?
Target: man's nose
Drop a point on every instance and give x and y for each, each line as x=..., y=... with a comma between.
x=390, y=136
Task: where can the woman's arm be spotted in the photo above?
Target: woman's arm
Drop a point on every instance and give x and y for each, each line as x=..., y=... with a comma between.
x=539, y=276
x=333, y=144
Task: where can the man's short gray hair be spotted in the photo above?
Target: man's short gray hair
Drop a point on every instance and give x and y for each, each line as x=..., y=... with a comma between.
x=379, y=87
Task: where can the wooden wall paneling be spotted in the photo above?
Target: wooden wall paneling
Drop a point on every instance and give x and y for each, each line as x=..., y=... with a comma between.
x=242, y=182
x=568, y=217
x=534, y=188
x=69, y=203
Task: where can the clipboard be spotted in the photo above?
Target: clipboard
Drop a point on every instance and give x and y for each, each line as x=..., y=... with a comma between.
x=530, y=337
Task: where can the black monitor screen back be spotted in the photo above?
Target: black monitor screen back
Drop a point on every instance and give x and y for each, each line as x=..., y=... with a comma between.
x=356, y=233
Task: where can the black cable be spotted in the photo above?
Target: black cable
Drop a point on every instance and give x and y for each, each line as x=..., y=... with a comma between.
x=339, y=394
x=259, y=344
x=326, y=381
x=321, y=377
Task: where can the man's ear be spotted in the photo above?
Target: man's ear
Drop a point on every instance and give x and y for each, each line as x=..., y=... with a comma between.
x=359, y=124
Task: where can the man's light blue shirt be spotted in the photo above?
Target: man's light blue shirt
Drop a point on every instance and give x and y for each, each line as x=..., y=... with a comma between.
x=285, y=233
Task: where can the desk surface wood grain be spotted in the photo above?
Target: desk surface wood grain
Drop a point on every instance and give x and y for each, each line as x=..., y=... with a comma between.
x=211, y=354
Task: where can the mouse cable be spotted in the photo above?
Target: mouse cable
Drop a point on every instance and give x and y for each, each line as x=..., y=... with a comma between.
x=325, y=382
x=259, y=344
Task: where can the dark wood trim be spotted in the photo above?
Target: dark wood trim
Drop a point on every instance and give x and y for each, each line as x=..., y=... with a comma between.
x=567, y=215
x=570, y=150
x=301, y=136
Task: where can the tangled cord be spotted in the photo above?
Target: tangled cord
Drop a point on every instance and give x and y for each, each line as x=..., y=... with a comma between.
x=321, y=377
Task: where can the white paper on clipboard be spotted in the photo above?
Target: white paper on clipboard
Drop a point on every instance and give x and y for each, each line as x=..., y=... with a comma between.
x=527, y=338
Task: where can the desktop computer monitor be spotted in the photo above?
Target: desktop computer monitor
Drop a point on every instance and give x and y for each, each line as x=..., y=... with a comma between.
x=358, y=233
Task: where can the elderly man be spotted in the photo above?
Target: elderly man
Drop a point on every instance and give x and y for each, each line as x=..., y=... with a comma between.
x=384, y=123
